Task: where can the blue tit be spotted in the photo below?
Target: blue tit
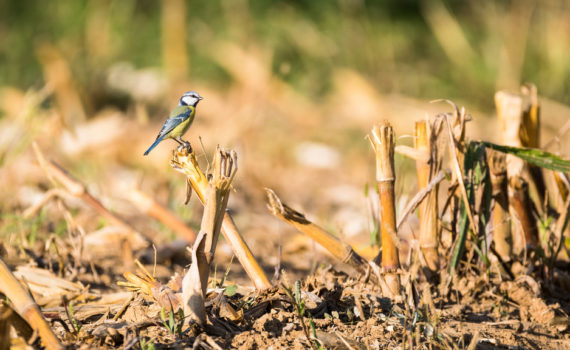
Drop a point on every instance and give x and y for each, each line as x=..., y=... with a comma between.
x=179, y=120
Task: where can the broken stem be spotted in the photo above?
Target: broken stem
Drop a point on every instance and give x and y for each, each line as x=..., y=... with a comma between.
x=425, y=169
x=340, y=250
x=195, y=282
x=382, y=139
x=23, y=303
x=184, y=160
x=501, y=225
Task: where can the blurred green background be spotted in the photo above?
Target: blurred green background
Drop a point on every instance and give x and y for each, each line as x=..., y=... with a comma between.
x=292, y=86
x=424, y=49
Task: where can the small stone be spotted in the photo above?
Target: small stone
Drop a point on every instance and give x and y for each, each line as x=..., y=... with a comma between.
x=289, y=327
x=357, y=312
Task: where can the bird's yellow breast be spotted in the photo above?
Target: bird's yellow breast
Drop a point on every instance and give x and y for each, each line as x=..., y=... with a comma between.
x=181, y=128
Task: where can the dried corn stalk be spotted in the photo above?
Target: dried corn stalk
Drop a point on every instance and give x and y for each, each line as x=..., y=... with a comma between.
x=340, y=250
x=501, y=224
x=457, y=146
x=195, y=282
x=382, y=138
x=184, y=160
x=22, y=303
x=521, y=211
x=519, y=128
x=426, y=168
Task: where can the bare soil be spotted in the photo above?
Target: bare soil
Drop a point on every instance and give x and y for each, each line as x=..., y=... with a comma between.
x=475, y=312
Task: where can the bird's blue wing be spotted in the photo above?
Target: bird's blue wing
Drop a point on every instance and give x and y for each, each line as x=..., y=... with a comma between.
x=175, y=118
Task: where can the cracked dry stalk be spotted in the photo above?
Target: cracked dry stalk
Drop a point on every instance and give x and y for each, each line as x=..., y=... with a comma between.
x=521, y=207
x=457, y=152
x=517, y=130
x=530, y=137
x=456, y=130
x=24, y=305
x=225, y=168
x=195, y=282
x=184, y=161
x=501, y=223
x=426, y=168
x=340, y=250
x=530, y=127
x=382, y=138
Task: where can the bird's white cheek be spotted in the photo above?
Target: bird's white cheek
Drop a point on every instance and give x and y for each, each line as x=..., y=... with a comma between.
x=189, y=100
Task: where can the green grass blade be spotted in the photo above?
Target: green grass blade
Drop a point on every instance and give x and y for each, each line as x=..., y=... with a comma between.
x=459, y=245
x=533, y=156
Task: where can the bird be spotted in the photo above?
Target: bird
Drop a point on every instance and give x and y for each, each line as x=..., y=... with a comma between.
x=179, y=120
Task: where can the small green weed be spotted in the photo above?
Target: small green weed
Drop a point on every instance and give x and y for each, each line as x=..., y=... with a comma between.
x=146, y=344
x=173, y=322
x=299, y=305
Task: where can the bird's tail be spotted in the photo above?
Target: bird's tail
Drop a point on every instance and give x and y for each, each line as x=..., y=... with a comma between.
x=153, y=145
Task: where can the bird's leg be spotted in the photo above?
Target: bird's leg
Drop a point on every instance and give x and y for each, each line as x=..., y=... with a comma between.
x=182, y=142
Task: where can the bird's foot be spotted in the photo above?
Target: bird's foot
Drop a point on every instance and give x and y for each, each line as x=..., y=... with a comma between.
x=183, y=142
x=184, y=146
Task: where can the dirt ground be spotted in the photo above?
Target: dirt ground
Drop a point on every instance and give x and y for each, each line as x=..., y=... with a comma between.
x=475, y=312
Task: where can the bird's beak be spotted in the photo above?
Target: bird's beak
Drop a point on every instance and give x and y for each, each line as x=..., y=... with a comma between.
x=200, y=98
